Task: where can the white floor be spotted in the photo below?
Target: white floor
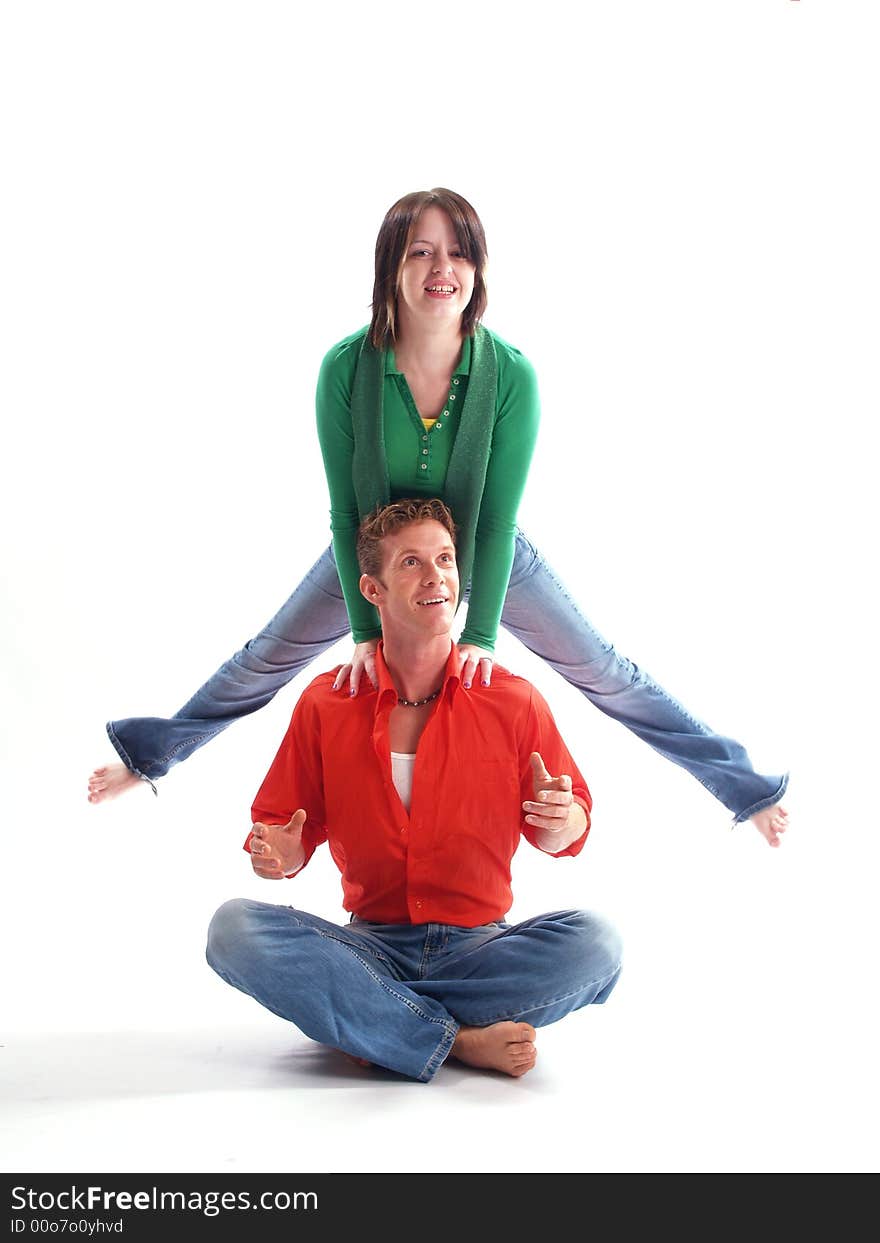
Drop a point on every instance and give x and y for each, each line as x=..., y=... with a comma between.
x=619, y=1089
x=742, y=1035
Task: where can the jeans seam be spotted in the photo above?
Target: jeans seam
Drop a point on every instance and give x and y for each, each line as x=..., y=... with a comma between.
x=429, y=1018
x=366, y=948
x=126, y=759
x=761, y=804
x=527, y=1009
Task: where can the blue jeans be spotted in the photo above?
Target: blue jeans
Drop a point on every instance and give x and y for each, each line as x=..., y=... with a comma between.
x=537, y=610
x=396, y=994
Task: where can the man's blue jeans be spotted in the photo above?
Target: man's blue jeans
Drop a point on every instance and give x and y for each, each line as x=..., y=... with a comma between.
x=537, y=610
x=396, y=994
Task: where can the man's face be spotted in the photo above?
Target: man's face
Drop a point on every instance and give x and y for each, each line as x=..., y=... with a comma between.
x=418, y=588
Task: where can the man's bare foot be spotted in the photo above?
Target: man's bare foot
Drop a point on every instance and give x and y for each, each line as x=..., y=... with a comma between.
x=771, y=823
x=506, y=1046
x=110, y=781
x=358, y=1061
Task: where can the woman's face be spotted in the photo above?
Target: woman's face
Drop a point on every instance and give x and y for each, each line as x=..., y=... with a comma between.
x=436, y=283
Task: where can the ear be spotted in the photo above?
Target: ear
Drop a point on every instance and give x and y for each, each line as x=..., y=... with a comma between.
x=371, y=588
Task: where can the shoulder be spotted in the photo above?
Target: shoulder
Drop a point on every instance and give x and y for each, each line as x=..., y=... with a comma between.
x=517, y=377
x=341, y=359
x=318, y=695
x=320, y=702
x=510, y=359
x=510, y=690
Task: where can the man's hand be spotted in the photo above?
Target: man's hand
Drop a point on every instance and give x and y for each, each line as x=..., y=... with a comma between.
x=277, y=849
x=554, y=812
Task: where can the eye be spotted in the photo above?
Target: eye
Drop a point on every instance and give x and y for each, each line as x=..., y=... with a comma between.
x=410, y=561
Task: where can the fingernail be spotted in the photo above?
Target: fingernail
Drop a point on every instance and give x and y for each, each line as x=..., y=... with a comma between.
x=467, y=686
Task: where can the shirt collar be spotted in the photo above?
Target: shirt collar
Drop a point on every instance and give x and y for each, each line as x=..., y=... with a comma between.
x=387, y=689
x=463, y=368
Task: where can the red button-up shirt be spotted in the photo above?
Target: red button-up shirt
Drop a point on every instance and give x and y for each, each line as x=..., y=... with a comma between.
x=447, y=860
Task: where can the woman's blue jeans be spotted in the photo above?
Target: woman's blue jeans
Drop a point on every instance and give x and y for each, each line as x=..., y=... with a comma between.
x=537, y=610
x=396, y=994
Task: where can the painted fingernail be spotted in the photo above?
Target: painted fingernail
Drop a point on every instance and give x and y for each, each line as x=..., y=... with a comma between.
x=467, y=686
x=485, y=681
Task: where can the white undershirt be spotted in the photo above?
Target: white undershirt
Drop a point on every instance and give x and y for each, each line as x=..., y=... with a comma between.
x=402, y=765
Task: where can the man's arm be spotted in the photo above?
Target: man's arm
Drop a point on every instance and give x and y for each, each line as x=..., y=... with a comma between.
x=559, y=818
x=556, y=800
x=288, y=812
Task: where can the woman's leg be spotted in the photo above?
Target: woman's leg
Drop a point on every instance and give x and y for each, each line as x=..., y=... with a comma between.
x=540, y=613
x=337, y=985
x=312, y=620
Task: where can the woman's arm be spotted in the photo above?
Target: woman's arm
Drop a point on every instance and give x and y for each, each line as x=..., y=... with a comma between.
x=513, y=444
x=336, y=438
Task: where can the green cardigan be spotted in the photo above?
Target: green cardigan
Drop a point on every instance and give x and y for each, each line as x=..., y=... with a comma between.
x=475, y=457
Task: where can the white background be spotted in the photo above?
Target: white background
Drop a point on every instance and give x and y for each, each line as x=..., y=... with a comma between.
x=681, y=211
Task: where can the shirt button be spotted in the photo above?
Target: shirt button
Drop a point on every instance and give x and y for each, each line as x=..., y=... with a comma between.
x=403, y=830
x=443, y=415
x=425, y=437
x=455, y=381
x=452, y=396
x=424, y=465
x=418, y=904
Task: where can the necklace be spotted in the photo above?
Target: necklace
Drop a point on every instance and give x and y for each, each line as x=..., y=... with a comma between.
x=417, y=703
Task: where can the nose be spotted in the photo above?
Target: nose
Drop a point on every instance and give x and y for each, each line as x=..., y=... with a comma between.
x=442, y=263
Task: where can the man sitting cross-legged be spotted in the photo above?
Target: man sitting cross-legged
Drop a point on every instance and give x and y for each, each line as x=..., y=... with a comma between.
x=422, y=790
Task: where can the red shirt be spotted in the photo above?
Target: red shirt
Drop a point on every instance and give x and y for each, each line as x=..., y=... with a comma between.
x=447, y=860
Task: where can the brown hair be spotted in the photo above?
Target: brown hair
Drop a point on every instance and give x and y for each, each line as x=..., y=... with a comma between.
x=391, y=245
x=388, y=520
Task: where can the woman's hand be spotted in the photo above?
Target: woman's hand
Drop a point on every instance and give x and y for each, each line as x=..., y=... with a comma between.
x=363, y=661
x=471, y=657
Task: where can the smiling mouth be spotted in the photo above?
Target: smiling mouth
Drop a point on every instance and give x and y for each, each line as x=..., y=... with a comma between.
x=436, y=600
x=440, y=289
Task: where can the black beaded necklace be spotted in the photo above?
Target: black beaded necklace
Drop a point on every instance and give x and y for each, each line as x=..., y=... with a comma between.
x=417, y=703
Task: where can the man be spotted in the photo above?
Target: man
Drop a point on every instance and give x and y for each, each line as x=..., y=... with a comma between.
x=422, y=790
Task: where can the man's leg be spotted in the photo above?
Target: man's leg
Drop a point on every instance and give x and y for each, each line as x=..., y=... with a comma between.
x=534, y=972
x=337, y=986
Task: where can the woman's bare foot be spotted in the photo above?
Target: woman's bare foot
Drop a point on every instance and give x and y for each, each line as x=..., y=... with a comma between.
x=771, y=823
x=506, y=1046
x=110, y=781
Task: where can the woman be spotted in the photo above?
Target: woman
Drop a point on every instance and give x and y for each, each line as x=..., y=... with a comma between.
x=426, y=401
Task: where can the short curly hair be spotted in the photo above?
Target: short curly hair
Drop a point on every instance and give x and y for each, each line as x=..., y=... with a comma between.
x=388, y=519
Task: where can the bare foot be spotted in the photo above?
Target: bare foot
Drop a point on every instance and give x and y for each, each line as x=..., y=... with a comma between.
x=506, y=1046
x=771, y=823
x=110, y=781
x=358, y=1061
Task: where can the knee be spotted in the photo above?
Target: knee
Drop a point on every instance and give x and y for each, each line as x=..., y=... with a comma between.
x=599, y=947
x=228, y=931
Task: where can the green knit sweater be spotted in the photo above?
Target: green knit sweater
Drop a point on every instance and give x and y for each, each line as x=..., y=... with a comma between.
x=418, y=462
